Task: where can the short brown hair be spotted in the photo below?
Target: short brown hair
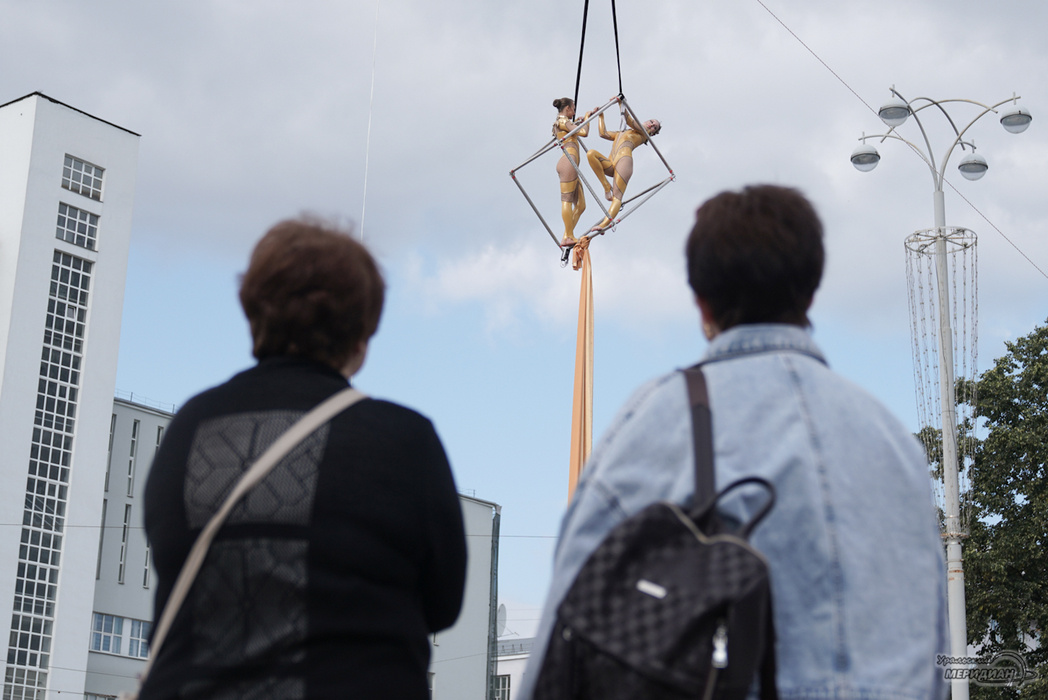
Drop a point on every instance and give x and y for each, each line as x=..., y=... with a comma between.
x=756, y=256
x=311, y=291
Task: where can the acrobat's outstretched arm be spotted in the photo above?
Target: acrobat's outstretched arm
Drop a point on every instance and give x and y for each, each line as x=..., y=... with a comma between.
x=584, y=131
x=604, y=133
x=632, y=123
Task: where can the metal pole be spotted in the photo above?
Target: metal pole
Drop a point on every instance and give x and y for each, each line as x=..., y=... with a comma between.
x=951, y=488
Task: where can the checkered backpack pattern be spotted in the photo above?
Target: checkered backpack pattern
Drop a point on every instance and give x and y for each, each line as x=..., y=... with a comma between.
x=673, y=604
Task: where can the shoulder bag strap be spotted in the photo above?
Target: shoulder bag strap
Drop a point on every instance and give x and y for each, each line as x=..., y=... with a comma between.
x=702, y=432
x=303, y=428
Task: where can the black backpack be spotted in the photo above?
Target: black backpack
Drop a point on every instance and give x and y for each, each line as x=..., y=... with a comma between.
x=672, y=604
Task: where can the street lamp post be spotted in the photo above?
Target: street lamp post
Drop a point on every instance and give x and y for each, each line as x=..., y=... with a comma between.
x=973, y=166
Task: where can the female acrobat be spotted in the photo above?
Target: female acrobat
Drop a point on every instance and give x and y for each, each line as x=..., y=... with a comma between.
x=620, y=165
x=572, y=199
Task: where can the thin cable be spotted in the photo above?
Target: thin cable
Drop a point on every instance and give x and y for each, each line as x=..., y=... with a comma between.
x=578, y=75
x=869, y=107
x=801, y=41
x=994, y=226
x=618, y=61
x=371, y=105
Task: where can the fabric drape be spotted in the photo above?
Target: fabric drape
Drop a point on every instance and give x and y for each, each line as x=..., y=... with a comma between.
x=582, y=400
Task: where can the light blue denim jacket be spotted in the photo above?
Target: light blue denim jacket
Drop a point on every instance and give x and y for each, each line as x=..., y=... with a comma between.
x=858, y=578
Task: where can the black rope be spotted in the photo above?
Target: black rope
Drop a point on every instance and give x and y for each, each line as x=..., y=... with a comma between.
x=618, y=61
x=578, y=76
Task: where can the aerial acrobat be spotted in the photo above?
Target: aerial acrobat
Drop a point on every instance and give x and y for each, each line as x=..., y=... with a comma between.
x=572, y=198
x=620, y=165
x=566, y=132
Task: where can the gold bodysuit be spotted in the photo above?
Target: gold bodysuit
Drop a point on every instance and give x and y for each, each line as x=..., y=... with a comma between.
x=619, y=166
x=573, y=201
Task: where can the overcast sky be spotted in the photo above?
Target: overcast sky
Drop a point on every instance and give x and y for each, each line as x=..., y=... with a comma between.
x=257, y=110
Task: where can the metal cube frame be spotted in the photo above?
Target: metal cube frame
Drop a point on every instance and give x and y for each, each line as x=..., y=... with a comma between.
x=629, y=205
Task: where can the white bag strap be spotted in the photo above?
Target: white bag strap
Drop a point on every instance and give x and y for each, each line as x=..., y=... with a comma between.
x=307, y=425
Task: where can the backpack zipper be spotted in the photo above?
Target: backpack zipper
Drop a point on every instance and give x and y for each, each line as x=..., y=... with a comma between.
x=720, y=646
x=719, y=658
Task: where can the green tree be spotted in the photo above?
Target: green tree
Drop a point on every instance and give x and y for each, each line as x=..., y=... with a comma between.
x=1006, y=554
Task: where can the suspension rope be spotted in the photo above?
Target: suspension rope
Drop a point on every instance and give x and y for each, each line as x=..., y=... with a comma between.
x=618, y=61
x=582, y=47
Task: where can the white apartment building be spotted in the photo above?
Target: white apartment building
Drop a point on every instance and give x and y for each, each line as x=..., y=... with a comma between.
x=67, y=182
x=124, y=576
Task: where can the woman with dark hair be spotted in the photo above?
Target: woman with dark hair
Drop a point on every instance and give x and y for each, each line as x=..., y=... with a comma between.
x=852, y=543
x=572, y=198
x=619, y=166
x=327, y=578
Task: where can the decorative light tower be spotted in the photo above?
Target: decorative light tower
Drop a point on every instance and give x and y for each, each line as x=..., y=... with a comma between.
x=937, y=245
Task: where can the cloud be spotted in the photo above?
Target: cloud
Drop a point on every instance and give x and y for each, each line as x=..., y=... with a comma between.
x=516, y=286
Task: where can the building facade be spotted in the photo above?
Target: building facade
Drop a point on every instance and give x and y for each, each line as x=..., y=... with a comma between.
x=124, y=577
x=513, y=656
x=463, y=658
x=67, y=183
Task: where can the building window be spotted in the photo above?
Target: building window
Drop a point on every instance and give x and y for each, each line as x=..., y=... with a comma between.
x=145, y=573
x=107, y=633
x=429, y=682
x=131, y=459
x=109, y=457
x=501, y=688
x=159, y=439
x=123, y=544
x=101, y=540
x=77, y=226
x=50, y=457
x=113, y=634
x=31, y=641
x=24, y=684
x=138, y=645
x=82, y=177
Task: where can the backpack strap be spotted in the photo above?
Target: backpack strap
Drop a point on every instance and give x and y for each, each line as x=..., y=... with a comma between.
x=706, y=496
x=702, y=434
x=769, y=687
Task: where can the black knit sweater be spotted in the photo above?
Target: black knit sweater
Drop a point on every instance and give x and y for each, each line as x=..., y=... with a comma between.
x=328, y=577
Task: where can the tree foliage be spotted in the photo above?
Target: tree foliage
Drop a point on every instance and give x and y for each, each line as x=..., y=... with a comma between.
x=1005, y=556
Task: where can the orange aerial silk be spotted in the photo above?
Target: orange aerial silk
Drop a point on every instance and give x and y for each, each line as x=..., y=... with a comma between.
x=582, y=402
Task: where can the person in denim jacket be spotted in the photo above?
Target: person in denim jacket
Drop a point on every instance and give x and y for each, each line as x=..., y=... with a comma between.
x=853, y=543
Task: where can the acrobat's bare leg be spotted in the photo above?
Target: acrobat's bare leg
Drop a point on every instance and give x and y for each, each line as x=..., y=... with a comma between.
x=603, y=168
x=580, y=207
x=571, y=205
x=616, y=204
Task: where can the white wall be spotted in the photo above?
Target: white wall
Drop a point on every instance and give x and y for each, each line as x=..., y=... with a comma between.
x=513, y=657
x=461, y=654
x=134, y=597
x=17, y=324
